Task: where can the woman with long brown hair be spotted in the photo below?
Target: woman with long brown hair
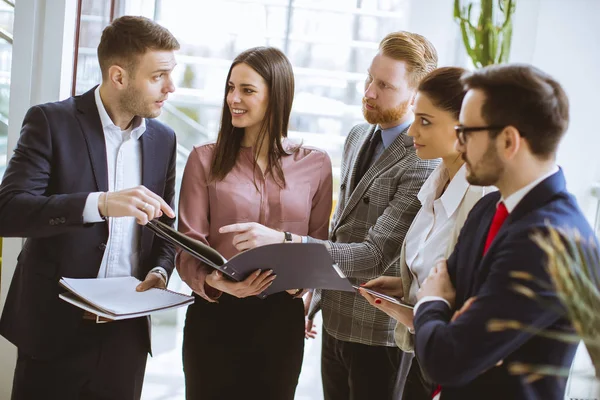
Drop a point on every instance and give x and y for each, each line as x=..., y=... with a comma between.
x=235, y=344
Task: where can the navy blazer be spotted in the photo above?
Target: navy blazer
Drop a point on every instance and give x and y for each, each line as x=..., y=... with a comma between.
x=59, y=160
x=461, y=356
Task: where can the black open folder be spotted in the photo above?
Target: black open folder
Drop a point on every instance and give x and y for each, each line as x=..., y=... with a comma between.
x=297, y=265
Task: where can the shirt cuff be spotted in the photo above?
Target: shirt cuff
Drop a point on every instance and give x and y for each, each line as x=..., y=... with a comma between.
x=427, y=299
x=161, y=271
x=90, y=211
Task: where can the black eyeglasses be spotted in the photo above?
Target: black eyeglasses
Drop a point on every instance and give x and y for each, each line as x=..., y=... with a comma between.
x=463, y=131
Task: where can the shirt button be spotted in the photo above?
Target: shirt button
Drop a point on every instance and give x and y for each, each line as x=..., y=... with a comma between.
x=102, y=246
x=343, y=187
x=51, y=222
x=366, y=200
x=62, y=220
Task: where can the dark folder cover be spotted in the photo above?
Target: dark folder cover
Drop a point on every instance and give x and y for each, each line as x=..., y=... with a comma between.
x=297, y=265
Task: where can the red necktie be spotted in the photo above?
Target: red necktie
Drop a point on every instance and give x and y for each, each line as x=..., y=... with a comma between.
x=499, y=217
x=497, y=221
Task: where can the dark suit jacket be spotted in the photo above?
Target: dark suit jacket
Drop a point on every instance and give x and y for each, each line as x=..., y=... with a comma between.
x=60, y=158
x=461, y=356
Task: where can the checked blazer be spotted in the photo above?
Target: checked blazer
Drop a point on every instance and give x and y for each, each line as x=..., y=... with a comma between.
x=367, y=231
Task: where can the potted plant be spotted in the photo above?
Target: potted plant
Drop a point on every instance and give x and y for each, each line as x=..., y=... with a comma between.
x=486, y=37
x=573, y=269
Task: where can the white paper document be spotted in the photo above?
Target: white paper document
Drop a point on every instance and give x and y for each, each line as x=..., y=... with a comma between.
x=116, y=298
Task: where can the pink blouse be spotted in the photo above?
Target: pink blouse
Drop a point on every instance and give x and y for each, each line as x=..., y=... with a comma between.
x=303, y=207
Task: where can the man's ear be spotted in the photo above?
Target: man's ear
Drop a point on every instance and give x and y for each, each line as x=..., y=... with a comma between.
x=117, y=76
x=510, y=141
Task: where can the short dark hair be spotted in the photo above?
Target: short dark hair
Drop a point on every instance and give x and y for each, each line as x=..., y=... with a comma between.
x=526, y=98
x=128, y=37
x=444, y=88
x=275, y=68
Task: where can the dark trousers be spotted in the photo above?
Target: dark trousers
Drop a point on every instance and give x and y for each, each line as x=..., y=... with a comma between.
x=103, y=362
x=412, y=383
x=243, y=348
x=353, y=371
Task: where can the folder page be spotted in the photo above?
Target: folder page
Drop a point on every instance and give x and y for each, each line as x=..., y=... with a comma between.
x=118, y=297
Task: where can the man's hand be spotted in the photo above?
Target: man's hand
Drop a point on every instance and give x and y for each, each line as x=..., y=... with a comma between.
x=390, y=285
x=256, y=283
x=464, y=308
x=249, y=235
x=138, y=202
x=310, y=331
x=438, y=284
x=153, y=280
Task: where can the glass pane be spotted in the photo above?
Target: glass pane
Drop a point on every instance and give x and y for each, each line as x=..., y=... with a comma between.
x=6, y=31
x=95, y=15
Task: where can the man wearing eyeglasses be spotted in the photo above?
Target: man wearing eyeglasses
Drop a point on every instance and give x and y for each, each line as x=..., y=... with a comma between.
x=512, y=120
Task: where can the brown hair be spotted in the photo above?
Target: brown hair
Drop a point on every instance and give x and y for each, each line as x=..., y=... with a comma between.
x=275, y=68
x=129, y=37
x=445, y=89
x=415, y=50
x=526, y=98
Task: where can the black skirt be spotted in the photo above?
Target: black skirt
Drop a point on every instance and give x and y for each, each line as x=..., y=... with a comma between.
x=243, y=348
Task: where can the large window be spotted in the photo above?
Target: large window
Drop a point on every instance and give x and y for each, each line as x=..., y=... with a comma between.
x=330, y=44
x=7, y=12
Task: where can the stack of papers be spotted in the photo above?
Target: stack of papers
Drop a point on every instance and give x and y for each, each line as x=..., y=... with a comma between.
x=116, y=298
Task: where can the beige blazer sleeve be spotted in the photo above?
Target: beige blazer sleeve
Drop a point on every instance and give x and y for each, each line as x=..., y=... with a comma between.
x=404, y=339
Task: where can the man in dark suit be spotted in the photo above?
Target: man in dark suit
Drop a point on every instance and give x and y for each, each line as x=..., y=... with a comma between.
x=512, y=120
x=86, y=174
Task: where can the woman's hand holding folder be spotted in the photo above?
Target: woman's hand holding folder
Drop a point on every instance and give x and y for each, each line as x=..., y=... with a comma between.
x=391, y=286
x=254, y=284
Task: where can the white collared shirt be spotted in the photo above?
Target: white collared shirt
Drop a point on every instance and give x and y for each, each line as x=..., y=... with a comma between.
x=124, y=162
x=428, y=236
x=511, y=202
x=514, y=199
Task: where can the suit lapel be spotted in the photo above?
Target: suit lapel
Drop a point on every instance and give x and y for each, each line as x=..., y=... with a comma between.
x=91, y=128
x=536, y=198
x=361, y=149
x=388, y=159
x=149, y=143
x=478, y=260
x=148, y=157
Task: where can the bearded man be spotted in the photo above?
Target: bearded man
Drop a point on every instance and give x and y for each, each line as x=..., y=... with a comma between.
x=381, y=176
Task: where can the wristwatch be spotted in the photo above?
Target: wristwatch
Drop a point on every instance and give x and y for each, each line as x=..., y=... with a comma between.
x=288, y=237
x=161, y=272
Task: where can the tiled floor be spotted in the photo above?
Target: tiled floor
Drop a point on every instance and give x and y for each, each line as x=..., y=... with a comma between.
x=164, y=374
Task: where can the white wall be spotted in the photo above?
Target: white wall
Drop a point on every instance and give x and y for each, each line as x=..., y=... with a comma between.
x=434, y=19
x=562, y=37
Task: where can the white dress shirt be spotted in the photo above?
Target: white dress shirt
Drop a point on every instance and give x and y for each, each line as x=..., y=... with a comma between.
x=511, y=203
x=428, y=236
x=124, y=161
x=514, y=199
